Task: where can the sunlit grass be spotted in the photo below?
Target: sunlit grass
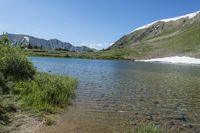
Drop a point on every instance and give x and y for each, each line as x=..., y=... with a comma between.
x=45, y=92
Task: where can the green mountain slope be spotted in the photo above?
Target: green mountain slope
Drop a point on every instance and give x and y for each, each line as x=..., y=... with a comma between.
x=179, y=37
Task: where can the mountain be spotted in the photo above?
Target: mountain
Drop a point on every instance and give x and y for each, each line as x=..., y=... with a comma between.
x=52, y=44
x=165, y=37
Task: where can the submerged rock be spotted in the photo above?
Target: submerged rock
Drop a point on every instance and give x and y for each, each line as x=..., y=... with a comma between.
x=182, y=117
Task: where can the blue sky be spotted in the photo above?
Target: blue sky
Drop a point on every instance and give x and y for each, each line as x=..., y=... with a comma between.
x=94, y=23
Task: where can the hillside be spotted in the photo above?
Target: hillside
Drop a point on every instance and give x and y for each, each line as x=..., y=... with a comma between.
x=52, y=44
x=166, y=37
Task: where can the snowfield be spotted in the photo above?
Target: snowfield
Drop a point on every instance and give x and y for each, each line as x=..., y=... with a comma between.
x=191, y=15
x=175, y=60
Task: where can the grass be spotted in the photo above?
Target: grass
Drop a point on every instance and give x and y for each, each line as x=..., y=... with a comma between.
x=106, y=54
x=185, y=41
x=144, y=129
x=188, y=40
x=45, y=93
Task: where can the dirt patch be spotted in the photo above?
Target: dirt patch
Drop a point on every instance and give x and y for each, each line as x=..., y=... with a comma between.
x=23, y=123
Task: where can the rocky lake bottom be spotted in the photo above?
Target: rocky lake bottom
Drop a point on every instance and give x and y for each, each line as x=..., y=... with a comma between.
x=113, y=96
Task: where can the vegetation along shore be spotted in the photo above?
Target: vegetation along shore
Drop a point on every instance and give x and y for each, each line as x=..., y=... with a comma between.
x=28, y=99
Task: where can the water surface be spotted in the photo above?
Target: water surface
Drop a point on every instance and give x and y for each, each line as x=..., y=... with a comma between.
x=113, y=96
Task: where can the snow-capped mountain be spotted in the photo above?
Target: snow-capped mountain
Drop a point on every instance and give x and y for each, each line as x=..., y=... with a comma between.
x=52, y=44
x=189, y=16
x=164, y=37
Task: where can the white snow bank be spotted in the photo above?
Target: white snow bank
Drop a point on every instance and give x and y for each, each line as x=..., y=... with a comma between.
x=175, y=60
x=191, y=15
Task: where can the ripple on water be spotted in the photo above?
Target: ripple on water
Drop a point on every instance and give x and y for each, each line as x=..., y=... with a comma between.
x=114, y=95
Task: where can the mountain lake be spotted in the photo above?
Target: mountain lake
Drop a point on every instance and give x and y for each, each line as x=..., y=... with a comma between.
x=115, y=95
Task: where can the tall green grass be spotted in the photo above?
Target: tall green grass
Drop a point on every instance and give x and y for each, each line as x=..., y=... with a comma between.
x=45, y=92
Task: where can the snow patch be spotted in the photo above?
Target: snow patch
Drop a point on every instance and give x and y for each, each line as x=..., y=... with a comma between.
x=191, y=15
x=175, y=60
x=26, y=38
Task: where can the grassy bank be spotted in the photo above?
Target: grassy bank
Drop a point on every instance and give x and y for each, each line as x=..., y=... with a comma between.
x=23, y=89
x=105, y=54
x=45, y=92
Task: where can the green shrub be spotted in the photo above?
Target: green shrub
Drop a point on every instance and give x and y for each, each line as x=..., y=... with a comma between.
x=3, y=87
x=4, y=40
x=45, y=92
x=14, y=64
x=18, y=68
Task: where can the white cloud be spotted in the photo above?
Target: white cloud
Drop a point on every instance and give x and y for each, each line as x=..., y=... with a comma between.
x=97, y=46
x=110, y=44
